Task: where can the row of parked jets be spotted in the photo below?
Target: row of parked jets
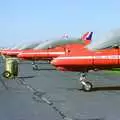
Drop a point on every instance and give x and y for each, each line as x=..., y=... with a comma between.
x=72, y=54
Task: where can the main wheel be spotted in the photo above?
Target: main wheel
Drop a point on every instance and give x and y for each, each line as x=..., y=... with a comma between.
x=7, y=74
x=87, y=87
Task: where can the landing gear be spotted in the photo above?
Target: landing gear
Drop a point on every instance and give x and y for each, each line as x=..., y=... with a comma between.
x=34, y=66
x=86, y=85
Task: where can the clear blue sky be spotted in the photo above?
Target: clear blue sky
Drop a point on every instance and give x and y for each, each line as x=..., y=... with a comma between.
x=28, y=20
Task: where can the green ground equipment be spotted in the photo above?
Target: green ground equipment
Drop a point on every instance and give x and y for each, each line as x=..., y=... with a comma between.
x=11, y=68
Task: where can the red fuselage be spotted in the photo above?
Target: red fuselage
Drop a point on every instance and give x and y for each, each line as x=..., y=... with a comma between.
x=48, y=54
x=11, y=53
x=84, y=60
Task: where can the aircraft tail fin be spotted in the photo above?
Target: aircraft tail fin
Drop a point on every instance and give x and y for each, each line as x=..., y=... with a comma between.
x=87, y=37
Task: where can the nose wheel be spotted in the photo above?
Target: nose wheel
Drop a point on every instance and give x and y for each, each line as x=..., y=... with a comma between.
x=86, y=85
x=35, y=66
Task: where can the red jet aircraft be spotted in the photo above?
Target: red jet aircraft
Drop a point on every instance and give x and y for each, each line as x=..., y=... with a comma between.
x=15, y=51
x=84, y=60
x=51, y=49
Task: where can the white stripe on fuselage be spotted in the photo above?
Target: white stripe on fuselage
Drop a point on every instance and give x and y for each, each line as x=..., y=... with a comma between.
x=90, y=57
x=38, y=53
x=12, y=52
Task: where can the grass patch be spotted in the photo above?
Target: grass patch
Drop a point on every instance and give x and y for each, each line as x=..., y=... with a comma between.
x=114, y=70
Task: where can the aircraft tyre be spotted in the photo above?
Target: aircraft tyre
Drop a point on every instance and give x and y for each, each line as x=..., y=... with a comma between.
x=87, y=87
x=7, y=74
x=35, y=67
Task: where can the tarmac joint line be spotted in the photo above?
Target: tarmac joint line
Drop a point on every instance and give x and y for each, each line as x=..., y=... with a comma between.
x=38, y=96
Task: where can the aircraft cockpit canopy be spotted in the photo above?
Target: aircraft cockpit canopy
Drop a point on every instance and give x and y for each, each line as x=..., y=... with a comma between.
x=58, y=42
x=30, y=46
x=25, y=46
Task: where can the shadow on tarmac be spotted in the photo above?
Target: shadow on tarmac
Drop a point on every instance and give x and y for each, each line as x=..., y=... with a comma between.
x=106, y=88
x=44, y=69
x=95, y=89
x=25, y=77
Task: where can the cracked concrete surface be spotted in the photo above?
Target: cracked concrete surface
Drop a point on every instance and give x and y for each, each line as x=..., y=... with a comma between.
x=63, y=90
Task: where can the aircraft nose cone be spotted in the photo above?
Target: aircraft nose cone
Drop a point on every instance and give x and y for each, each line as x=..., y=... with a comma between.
x=53, y=62
x=57, y=62
x=3, y=52
x=20, y=55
